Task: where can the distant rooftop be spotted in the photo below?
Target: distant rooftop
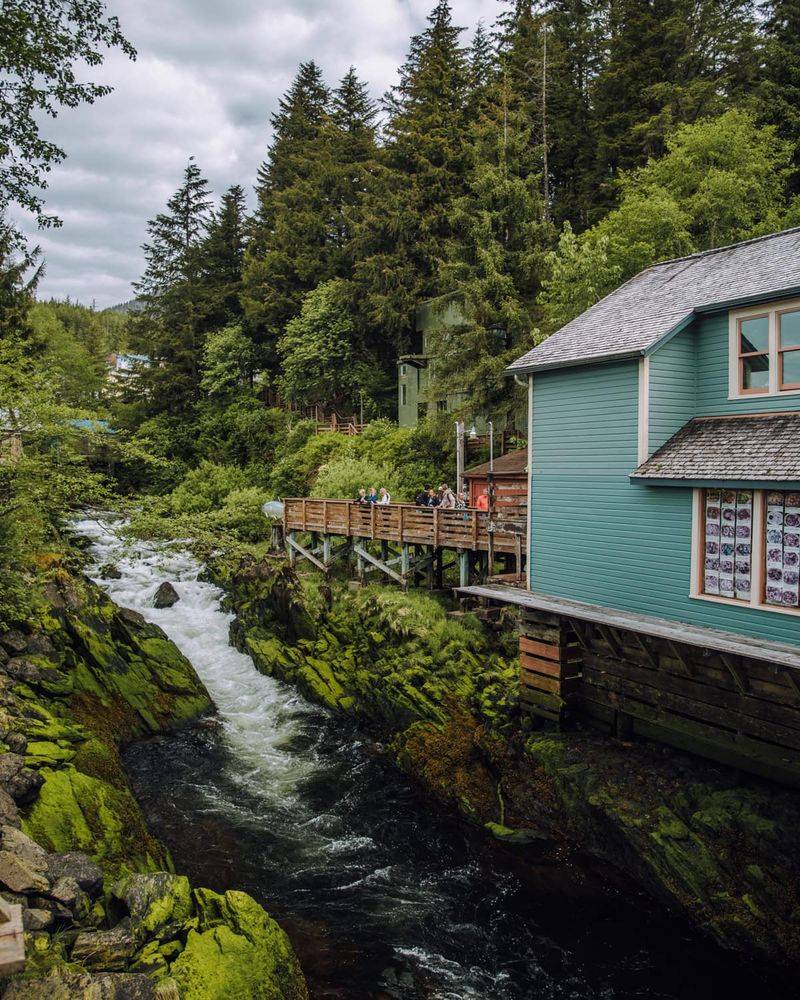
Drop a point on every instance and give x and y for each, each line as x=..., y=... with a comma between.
x=657, y=301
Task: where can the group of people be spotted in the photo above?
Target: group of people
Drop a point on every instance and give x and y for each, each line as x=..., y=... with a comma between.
x=444, y=497
x=380, y=496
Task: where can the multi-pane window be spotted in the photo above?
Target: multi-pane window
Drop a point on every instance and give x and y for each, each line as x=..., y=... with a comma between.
x=789, y=349
x=783, y=549
x=754, y=355
x=728, y=543
x=765, y=350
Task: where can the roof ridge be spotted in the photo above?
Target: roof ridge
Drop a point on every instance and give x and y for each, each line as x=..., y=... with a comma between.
x=728, y=246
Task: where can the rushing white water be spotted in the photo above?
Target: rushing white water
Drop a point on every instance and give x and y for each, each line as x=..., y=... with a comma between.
x=266, y=726
x=384, y=897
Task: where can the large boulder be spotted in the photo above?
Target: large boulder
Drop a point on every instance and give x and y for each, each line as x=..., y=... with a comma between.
x=111, y=950
x=68, y=984
x=77, y=866
x=158, y=903
x=166, y=596
x=108, y=571
x=20, y=875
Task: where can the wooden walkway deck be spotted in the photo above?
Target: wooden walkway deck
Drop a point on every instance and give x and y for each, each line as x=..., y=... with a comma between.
x=421, y=534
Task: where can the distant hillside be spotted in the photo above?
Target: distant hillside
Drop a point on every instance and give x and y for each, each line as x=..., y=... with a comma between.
x=131, y=306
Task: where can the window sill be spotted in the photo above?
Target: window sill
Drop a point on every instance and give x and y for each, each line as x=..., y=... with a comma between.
x=736, y=603
x=751, y=396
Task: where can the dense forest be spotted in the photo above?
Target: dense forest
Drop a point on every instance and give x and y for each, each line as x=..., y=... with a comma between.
x=527, y=167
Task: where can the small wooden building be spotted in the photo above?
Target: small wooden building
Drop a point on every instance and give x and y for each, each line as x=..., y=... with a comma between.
x=510, y=477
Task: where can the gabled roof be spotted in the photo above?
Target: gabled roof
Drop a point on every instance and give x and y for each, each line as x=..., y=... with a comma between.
x=762, y=448
x=515, y=463
x=660, y=300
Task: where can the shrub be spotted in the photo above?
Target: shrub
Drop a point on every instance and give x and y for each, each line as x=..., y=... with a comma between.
x=343, y=478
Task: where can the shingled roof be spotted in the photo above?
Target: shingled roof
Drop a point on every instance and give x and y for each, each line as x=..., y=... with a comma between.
x=763, y=448
x=640, y=313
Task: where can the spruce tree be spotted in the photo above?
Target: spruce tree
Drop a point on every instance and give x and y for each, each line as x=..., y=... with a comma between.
x=496, y=254
x=289, y=250
x=669, y=62
x=353, y=136
x=170, y=291
x=779, y=91
x=407, y=217
x=221, y=261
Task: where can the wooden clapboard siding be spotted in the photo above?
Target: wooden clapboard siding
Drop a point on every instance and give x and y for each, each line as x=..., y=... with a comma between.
x=673, y=388
x=402, y=524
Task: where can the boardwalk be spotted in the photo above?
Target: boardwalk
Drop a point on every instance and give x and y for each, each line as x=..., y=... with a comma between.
x=412, y=538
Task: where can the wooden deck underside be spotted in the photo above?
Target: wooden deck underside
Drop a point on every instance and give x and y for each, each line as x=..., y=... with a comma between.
x=727, y=697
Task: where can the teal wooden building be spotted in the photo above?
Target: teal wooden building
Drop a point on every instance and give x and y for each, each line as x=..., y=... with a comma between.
x=664, y=505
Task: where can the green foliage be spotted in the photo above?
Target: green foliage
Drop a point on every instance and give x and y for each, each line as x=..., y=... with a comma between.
x=400, y=458
x=228, y=361
x=344, y=477
x=778, y=97
x=320, y=355
x=46, y=45
x=721, y=180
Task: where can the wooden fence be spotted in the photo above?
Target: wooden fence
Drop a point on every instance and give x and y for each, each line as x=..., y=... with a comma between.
x=406, y=524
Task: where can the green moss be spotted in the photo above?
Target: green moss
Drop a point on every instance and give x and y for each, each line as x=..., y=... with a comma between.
x=246, y=957
x=75, y=811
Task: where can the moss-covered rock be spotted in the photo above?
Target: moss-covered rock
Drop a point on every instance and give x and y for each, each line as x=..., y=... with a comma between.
x=97, y=677
x=237, y=952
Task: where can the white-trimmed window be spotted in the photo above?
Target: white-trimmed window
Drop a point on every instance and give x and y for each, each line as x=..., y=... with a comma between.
x=764, y=350
x=746, y=548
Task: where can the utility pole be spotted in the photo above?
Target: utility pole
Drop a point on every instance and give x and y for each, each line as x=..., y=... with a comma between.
x=459, y=457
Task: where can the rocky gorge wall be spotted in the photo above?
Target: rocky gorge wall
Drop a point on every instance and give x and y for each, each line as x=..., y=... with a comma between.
x=104, y=913
x=441, y=692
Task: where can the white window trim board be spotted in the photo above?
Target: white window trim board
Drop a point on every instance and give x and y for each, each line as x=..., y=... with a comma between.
x=644, y=409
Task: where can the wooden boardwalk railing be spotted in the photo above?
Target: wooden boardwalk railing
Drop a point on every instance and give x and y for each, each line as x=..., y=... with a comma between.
x=406, y=524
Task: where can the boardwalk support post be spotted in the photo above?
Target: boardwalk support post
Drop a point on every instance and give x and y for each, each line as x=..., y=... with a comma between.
x=463, y=568
x=295, y=547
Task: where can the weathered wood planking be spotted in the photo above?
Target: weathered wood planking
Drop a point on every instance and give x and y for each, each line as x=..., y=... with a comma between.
x=721, y=696
x=403, y=524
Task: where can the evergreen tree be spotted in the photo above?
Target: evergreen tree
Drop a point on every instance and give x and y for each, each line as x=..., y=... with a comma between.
x=407, y=216
x=779, y=91
x=353, y=135
x=221, y=261
x=669, y=61
x=170, y=291
x=496, y=255
x=290, y=247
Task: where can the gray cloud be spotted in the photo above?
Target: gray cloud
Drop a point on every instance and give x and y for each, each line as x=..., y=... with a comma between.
x=208, y=76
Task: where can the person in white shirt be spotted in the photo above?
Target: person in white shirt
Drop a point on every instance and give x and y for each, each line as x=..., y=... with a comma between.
x=384, y=496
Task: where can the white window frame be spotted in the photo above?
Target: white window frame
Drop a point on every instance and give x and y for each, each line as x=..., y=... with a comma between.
x=772, y=310
x=757, y=556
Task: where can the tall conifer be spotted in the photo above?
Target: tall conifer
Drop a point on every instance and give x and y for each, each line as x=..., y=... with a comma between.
x=408, y=216
x=289, y=251
x=170, y=323
x=779, y=92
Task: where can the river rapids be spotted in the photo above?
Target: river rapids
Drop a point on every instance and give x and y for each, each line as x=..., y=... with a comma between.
x=384, y=895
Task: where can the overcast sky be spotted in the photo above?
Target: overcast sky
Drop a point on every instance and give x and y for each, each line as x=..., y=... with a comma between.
x=208, y=75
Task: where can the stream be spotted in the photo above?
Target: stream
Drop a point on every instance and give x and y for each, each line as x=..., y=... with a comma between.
x=385, y=895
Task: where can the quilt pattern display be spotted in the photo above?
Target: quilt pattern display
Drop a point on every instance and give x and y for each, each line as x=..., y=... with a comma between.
x=783, y=549
x=729, y=543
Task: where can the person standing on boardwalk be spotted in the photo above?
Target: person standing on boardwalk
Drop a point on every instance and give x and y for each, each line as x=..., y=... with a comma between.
x=447, y=497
